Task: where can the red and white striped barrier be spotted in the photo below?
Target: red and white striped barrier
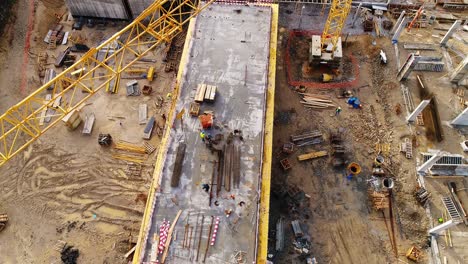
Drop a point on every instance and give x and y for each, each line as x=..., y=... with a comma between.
x=163, y=231
x=215, y=232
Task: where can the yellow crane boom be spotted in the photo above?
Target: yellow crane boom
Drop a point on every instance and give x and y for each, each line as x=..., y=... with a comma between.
x=22, y=124
x=334, y=25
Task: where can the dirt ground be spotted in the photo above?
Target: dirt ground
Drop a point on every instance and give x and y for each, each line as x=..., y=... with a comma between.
x=342, y=225
x=65, y=186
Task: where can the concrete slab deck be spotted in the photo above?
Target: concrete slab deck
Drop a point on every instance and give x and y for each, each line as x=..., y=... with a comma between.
x=229, y=48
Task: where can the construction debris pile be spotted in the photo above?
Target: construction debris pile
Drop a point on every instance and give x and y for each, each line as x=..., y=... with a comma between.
x=69, y=255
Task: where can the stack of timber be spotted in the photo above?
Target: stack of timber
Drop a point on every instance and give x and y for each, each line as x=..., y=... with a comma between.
x=379, y=200
x=312, y=155
x=316, y=101
x=130, y=147
x=88, y=125
x=132, y=152
x=130, y=158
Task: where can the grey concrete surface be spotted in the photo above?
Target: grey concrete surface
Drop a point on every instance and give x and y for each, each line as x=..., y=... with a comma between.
x=229, y=49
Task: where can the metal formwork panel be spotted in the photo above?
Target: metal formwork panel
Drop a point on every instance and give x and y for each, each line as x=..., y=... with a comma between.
x=429, y=66
x=446, y=159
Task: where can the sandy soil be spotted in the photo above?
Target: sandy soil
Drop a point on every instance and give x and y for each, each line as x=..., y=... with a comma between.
x=65, y=186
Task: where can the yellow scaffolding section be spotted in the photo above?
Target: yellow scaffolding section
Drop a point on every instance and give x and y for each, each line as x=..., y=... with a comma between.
x=264, y=212
x=334, y=25
x=100, y=67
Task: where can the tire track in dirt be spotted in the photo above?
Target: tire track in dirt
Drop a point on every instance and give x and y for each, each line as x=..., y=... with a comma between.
x=92, y=187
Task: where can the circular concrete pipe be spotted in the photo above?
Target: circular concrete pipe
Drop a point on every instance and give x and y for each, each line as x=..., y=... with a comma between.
x=388, y=183
x=379, y=160
x=354, y=168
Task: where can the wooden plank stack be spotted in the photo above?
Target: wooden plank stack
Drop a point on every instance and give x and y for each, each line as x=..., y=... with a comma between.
x=130, y=158
x=88, y=125
x=316, y=101
x=205, y=93
x=312, y=155
x=142, y=113
x=200, y=95
x=379, y=200
x=130, y=147
x=210, y=93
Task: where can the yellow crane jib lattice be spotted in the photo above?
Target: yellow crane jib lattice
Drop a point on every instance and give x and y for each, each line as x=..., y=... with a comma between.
x=334, y=25
x=100, y=67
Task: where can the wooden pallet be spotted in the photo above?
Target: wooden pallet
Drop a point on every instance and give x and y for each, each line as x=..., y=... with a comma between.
x=149, y=148
x=408, y=148
x=420, y=120
x=194, y=109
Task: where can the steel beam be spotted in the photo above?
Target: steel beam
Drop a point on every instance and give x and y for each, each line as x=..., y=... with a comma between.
x=422, y=170
x=450, y=32
x=460, y=72
x=398, y=22
x=438, y=229
x=356, y=14
x=399, y=29
x=417, y=111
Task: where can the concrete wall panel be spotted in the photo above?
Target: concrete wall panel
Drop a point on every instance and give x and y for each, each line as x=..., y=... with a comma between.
x=137, y=6
x=114, y=9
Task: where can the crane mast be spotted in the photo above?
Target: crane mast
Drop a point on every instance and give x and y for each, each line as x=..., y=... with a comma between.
x=326, y=49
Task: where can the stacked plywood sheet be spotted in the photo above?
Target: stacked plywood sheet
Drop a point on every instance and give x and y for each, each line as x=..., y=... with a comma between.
x=88, y=125
x=316, y=101
x=210, y=93
x=205, y=93
x=142, y=114
x=200, y=95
